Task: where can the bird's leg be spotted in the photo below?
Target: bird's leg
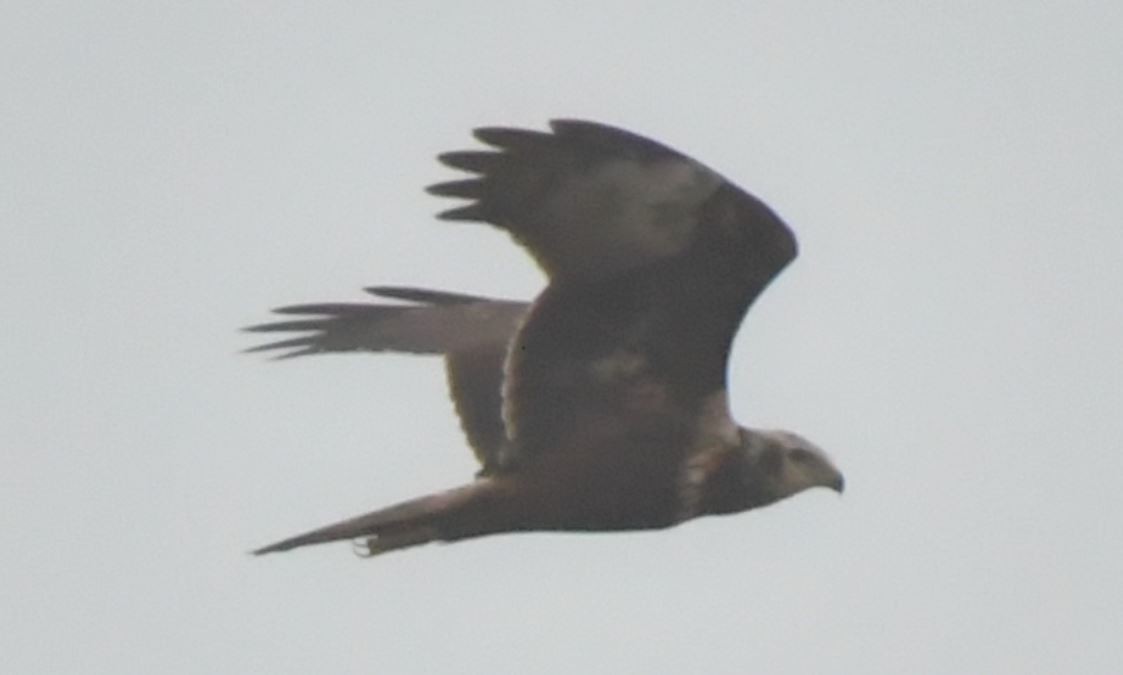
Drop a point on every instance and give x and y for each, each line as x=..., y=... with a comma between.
x=371, y=546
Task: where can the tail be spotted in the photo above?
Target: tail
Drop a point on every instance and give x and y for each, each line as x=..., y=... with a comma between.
x=410, y=523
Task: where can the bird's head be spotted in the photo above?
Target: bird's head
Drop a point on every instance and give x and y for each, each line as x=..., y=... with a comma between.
x=790, y=464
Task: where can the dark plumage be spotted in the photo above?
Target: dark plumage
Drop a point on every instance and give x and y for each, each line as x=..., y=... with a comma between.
x=601, y=406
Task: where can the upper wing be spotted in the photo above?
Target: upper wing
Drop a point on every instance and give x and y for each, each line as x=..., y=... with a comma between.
x=588, y=201
x=471, y=332
x=653, y=259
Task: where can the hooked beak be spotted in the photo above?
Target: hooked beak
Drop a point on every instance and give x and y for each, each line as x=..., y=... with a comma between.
x=838, y=484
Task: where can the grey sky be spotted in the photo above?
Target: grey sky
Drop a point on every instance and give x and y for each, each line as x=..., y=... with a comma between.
x=951, y=334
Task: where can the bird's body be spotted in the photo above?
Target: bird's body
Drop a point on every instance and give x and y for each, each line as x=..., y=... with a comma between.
x=602, y=405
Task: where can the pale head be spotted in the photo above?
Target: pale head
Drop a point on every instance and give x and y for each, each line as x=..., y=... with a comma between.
x=791, y=463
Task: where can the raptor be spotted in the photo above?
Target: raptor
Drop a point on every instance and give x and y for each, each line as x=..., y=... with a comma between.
x=602, y=405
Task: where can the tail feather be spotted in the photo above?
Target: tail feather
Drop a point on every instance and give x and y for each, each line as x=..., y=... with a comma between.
x=409, y=523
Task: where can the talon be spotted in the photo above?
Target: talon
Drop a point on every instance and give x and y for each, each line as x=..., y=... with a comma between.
x=364, y=548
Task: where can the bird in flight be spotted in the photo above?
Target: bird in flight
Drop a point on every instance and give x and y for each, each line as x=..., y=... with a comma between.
x=602, y=405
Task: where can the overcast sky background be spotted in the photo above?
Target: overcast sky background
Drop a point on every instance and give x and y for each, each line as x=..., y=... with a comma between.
x=952, y=334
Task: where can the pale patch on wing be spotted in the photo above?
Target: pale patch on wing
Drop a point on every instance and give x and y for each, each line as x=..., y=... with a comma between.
x=618, y=367
x=621, y=215
x=635, y=388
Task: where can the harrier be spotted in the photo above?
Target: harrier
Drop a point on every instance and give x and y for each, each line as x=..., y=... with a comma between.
x=602, y=405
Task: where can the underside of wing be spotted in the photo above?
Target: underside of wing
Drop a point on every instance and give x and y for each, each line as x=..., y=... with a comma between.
x=472, y=333
x=653, y=259
x=434, y=322
x=475, y=382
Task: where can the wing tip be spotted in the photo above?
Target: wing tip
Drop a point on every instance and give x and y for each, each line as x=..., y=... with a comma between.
x=511, y=138
x=422, y=295
x=469, y=188
x=298, y=346
x=473, y=161
x=469, y=213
